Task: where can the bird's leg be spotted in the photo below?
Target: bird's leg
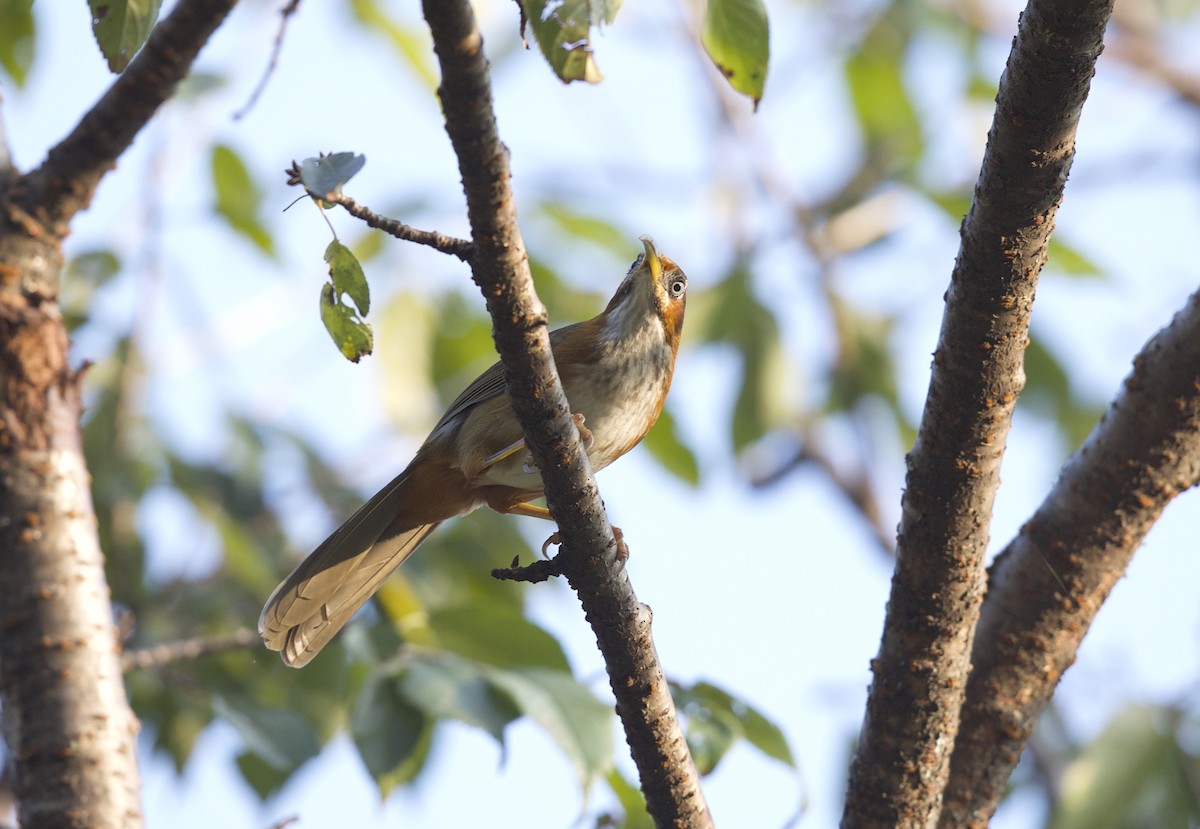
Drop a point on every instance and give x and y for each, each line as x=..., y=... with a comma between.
x=506, y=452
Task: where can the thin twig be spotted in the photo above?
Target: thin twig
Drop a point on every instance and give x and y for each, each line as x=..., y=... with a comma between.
x=156, y=656
x=461, y=248
x=285, y=13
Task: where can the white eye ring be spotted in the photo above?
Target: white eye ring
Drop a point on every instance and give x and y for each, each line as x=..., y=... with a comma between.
x=676, y=288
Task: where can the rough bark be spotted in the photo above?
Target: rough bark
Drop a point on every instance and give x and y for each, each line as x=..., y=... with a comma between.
x=902, y=761
x=1046, y=586
x=67, y=722
x=589, y=556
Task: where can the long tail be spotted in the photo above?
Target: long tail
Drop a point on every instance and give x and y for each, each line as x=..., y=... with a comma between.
x=325, y=591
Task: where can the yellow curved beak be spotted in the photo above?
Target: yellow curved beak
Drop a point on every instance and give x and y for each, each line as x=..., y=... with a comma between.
x=652, y=258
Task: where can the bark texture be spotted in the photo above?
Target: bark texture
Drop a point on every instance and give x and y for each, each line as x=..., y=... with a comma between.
x=902, y=761
x=589, y=556
x=67, y=722
x=1047, y=585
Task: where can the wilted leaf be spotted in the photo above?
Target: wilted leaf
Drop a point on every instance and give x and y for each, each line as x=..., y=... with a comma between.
x=325, y=175
x=570, y=714
x=391, y=734
x=562, y=29
x=350, y=334
x=121, y=27
x=736, y=37
x=17, y=40
x=238, y=197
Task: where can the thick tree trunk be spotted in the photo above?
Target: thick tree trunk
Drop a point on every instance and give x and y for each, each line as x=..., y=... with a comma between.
x=67, y=721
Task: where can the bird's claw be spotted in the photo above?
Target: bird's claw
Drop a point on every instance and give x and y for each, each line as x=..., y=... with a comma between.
x=622, y=547
x=554, y=538
x=585, y=434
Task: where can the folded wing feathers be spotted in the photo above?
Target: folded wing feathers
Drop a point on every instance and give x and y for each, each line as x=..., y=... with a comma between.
x=327, y=588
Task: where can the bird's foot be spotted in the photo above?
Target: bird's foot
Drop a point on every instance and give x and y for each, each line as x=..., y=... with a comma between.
x=585, y=434
x=554, y=538
x=622, y=547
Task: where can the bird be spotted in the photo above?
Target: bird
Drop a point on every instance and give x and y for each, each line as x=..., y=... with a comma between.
x=616, y=370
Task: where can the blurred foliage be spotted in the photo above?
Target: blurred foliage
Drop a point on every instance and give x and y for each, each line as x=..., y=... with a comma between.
x=1143, y=770
x=121, y=28
x=16, y=38
x=443, y=641
x=736, y=37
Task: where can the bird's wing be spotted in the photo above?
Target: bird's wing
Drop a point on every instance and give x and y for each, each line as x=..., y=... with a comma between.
x=326, y=589
x=484, y=387
x=492, y=382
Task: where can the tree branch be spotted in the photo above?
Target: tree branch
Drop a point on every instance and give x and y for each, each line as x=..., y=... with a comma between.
x=64, y=183
x=1047, y=585
x=67, y=720
x=461, y=248
x=590, y=552
x=902, y=762
x=158, y=655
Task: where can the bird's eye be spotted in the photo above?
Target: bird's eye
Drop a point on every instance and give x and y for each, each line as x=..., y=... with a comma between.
x=677, y=288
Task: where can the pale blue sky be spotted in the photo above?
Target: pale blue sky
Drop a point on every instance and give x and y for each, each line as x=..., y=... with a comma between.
x=777, y=596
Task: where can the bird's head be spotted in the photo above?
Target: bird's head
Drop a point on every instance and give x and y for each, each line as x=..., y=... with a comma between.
x=654, y=288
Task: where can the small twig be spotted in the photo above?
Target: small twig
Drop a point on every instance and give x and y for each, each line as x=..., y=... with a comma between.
x=541, y=570
x=284, y=822
x=156, y=656
x=284, y=14
x=452, y=245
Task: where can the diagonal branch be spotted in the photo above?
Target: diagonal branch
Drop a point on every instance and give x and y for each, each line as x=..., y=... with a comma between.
x=64, y=183
x=1047, y=585
x=903, y=757
x=589, y=558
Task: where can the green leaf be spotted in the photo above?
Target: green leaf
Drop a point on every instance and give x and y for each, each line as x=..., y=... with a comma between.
x=351, y=335
x=325, y=175
x=668, y=449
x=411, y=43
x=239, y=198
x=562, y=29
x=451, y=688
x=391, y=734
x=121, y=27
x=1129, y=776
x=281, y=737
x=17, y=39
x=347, y=276
x=875, y=78
x=587, y=227
x=632, y=801
x=736, y=37
x=264, y=778
x=497, y=635
x=1070, y=261
x=570, y=714
x=741, y=320
x=716, y=720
